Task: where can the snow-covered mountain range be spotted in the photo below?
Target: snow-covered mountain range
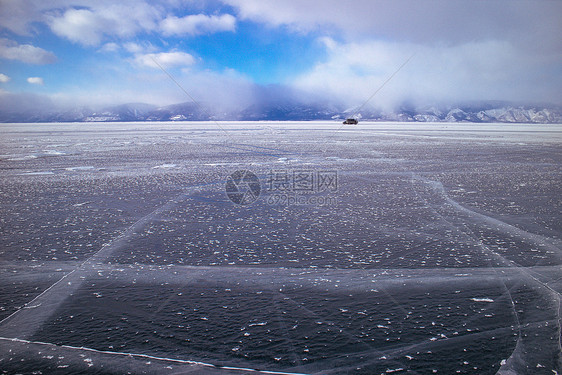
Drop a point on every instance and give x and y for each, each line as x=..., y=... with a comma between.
x=295, y=111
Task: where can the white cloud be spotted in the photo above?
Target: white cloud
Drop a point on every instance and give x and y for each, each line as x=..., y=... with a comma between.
x=4, y=78
x=21, y=16
x=165, y=59
x=25, y=53
x=222, y=90
x=79, y=25
x=466, y=50
x=219, y=90
x=35, y=80
x=92, y=22
x=137, y=48
x=448, y=21
x=24, y=102
x=487, y=70
x=197, y=24
x=89, y=26
x=109, y=47
x=133, y=47
x=17, y=15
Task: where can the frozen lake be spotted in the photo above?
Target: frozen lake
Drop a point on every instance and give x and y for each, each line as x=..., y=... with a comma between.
x=358, y=249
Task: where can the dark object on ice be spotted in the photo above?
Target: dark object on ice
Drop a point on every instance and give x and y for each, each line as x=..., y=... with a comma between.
x=350, y=121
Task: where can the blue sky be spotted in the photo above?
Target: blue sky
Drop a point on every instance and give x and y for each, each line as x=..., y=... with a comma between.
x=86, y=52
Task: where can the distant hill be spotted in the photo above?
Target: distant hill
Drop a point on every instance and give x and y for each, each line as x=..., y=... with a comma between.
x=288, y=110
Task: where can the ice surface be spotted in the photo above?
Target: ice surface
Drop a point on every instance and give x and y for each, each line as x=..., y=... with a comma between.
x=120, y=248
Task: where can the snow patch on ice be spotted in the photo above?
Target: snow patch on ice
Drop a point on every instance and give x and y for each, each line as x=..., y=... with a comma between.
x=165, y=166
x=80, y=168
x=482, y=299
